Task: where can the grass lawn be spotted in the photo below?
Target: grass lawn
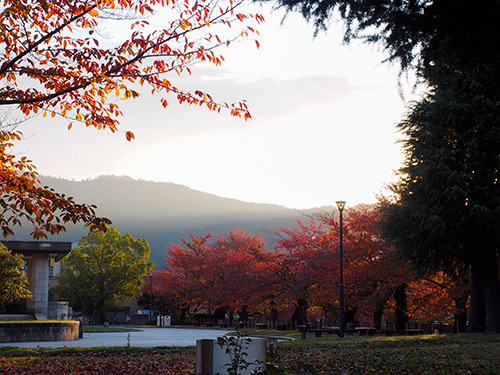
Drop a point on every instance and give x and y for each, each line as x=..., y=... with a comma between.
x=425, y=354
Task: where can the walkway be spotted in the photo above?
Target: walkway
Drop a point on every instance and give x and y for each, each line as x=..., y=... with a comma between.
x=146, y=337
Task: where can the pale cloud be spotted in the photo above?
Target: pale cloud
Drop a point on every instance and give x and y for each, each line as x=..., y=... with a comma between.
x=322, y=128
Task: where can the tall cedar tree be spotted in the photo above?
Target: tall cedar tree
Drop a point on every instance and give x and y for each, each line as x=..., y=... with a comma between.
x=413, y=32
x=448, y=198
x=55, y=61
x=447, y=209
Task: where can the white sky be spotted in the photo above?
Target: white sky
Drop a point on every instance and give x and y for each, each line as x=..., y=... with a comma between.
x=323, y=125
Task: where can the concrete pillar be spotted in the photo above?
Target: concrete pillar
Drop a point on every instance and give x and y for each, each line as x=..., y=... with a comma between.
x=38, y=277
x=58, y=310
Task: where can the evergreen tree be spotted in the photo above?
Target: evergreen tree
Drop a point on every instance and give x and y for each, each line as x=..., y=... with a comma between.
x=414, y=33
x=446, y=213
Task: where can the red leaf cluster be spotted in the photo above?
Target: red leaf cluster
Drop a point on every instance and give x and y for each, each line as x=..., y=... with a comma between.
x=52, y=61
x=300, y=275
x=23, y=199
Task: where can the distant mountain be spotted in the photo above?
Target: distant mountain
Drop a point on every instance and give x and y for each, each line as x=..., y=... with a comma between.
x=163, y=213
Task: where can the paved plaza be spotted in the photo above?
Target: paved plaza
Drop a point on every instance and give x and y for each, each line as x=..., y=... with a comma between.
x=146, y=337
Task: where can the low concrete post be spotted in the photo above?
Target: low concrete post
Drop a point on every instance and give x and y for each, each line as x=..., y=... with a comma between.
x=80, y=329
x=212, y=359
x=163, y=320
x=205, y=357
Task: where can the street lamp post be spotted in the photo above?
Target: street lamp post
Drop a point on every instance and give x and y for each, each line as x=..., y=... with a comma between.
x=340, y=206
x=150, y=315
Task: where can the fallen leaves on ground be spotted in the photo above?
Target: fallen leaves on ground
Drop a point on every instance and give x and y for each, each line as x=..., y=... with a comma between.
x=450, y=355
x=103, y=362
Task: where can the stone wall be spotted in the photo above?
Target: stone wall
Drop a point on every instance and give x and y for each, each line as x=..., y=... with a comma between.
x=39, y=331
x=7, y=317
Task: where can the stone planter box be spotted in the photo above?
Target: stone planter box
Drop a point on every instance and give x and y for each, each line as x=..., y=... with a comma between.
x=39, y=331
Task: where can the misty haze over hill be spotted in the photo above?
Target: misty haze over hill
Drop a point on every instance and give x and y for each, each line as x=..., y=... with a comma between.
x=163, y=213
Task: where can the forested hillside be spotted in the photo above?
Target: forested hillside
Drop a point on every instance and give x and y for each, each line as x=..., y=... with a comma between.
x=164, y=212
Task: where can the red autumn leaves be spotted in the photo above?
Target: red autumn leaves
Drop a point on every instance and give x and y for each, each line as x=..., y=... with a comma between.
x=238, y=271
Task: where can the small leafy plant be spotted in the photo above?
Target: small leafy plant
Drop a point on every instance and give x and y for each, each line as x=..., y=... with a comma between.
x=235, y=347
x=272, y=365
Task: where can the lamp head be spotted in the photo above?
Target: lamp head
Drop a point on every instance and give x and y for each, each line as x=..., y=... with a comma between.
x=340, y=205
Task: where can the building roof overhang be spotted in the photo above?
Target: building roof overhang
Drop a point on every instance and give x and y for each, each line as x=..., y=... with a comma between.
x=54, y=249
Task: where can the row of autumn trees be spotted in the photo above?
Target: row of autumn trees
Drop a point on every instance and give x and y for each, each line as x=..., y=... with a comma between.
x=297, y=280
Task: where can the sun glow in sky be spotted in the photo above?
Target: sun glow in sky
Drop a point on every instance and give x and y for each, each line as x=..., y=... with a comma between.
x=323, y=125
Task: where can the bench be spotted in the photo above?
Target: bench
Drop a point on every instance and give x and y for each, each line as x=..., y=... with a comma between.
x=319, y=331
x=365, y=331
x=408, y=332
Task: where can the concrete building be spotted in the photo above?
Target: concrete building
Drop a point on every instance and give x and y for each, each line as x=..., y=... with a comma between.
x=40, y=258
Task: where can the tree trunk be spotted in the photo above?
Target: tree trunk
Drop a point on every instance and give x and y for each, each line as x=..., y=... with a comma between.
x=492, y=292
x=243, y=316
x=274, y=317
x=460, y=313
x=377, y=319
x=401, y=307
x=477, y=308
x=300, y=314
x=183, y=313
x=349, y=315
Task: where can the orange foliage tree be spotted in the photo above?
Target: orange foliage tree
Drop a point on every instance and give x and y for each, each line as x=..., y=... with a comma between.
x=304, y=270
x=231, y=272
x=169, y=293
x=372, y=273
x=186, y=275
x=440, y=297
x=54, y=61
x=375, y=283
x=23, y=198
x=241, y=265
